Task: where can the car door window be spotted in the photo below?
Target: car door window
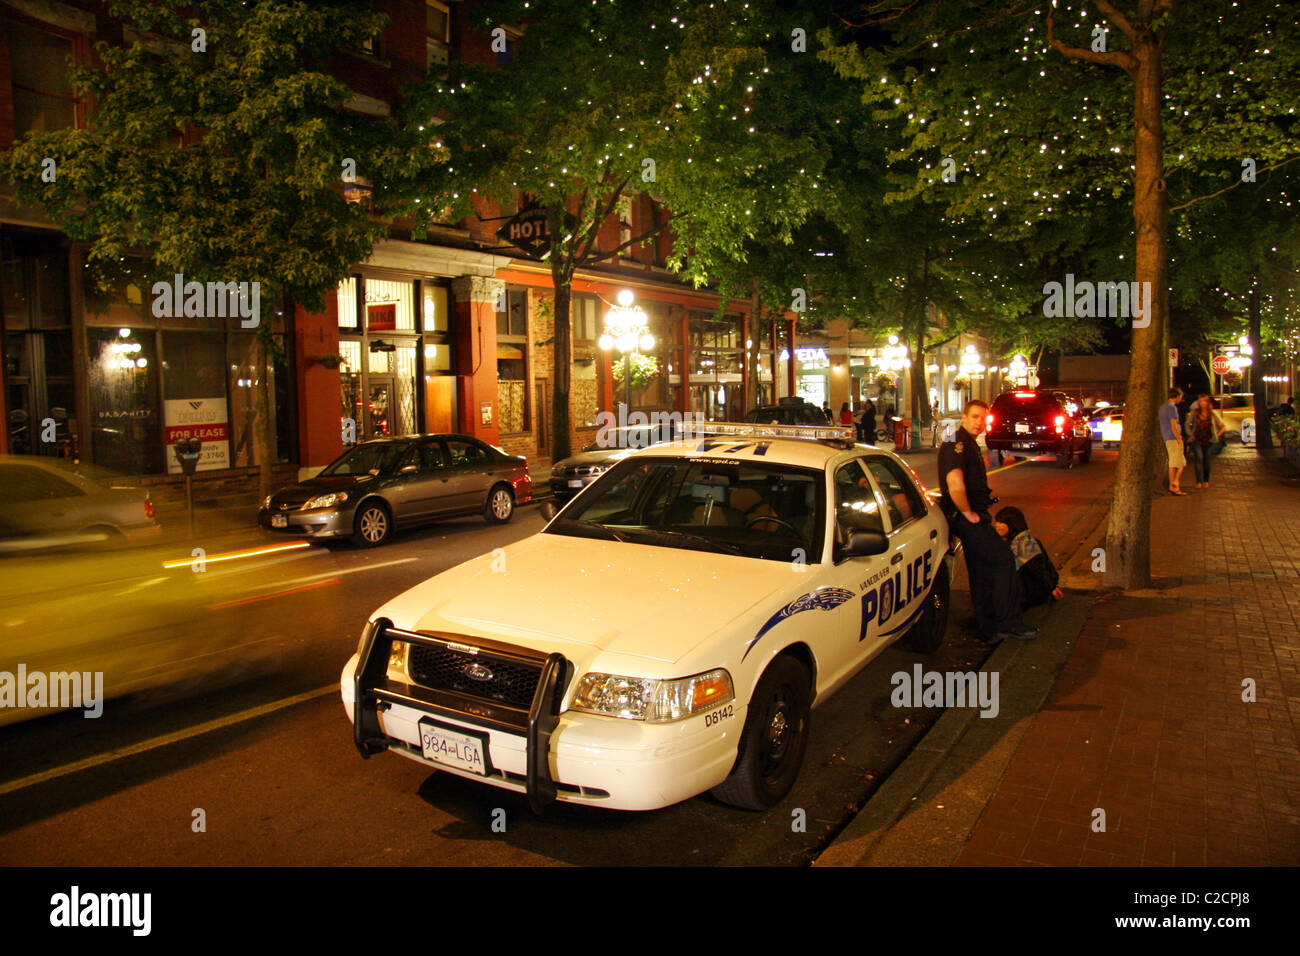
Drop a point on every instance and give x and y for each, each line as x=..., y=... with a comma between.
x=903, y=502
x=856, y=506
x=465, y=453
x=432, y=457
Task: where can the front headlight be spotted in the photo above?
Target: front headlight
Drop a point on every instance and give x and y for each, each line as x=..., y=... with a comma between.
x=266, y=502
x=652, y=700
x=326, y=501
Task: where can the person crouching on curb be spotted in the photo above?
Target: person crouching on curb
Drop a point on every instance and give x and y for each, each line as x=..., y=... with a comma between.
x=990, y=564
x=1038, y=575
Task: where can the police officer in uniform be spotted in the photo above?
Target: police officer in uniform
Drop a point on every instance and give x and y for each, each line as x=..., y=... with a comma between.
x=990, y=563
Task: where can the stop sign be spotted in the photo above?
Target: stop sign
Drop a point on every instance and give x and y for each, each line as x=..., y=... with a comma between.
x=1221, y=365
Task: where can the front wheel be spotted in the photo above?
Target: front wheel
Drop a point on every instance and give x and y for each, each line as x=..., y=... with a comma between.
x=374, y=524
x=927, y=634
x=500, y=505
x=774, y=739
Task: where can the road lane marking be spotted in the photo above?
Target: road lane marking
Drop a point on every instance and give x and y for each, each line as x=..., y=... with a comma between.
x=30, y=781
x=1014, y=464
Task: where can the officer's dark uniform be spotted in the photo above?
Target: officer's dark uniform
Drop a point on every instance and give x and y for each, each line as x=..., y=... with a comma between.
x=995, y=589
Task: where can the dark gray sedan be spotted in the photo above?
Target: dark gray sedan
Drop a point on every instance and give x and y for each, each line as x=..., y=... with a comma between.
x=378, y=486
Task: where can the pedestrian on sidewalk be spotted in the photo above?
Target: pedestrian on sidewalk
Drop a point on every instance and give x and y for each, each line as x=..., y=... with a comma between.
x=1171, y=429
x=869, y=417
x=990, y=563
x=1039, y=579
x=846, y=416
x=1204, y=431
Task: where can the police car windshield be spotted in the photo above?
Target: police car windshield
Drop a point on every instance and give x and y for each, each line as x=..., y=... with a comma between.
x=753, y=509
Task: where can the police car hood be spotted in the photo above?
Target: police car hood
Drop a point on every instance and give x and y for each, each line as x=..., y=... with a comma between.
x=579, y=596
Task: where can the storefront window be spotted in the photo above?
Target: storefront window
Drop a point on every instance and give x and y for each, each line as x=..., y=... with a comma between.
x=436, y=318
x=584, y=392
x=388, y=306
x=347, y=297
x=123, y=377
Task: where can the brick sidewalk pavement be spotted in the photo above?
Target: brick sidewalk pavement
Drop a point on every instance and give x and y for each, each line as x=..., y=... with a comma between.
x=1147, y=721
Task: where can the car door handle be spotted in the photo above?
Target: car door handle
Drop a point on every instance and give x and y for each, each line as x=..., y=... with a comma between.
x=896, y=558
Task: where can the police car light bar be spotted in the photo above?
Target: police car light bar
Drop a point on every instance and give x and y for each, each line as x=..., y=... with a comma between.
x=840, y=433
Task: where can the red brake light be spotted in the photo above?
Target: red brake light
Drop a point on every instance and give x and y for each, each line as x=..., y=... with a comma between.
x=1025, y=395
x=1060, y=420
x=148, y=507
x=990, y=420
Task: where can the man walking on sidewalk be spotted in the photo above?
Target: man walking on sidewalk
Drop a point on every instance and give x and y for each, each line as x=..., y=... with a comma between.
x=990, y=563
x=1171, y=430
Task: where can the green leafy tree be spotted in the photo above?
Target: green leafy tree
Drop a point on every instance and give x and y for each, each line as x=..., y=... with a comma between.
x=217, y=147
x=602, y=103
x=1054, y=106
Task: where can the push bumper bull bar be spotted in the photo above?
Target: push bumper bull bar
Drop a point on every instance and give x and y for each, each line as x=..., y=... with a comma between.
x=373, y=692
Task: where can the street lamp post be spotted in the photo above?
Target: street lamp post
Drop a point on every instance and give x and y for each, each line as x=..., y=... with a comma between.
x=627, y=328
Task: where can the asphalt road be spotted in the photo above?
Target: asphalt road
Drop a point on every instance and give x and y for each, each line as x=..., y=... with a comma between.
x=247, y=733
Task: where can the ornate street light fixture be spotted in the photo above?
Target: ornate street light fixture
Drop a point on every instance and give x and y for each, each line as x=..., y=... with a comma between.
x=627, y=328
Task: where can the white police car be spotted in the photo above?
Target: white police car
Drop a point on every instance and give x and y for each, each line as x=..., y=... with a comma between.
x=671, y=628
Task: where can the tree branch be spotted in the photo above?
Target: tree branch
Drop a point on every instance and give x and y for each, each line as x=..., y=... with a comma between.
x=1239, y=181
x=1125, y=61
x=602, y=256
x=1117, y=18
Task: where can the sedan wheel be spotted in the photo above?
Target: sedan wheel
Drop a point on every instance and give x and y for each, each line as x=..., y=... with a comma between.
x=500, y=505
x=374, y=524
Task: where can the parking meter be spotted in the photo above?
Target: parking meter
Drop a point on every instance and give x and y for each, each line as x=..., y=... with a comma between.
x=187, y=454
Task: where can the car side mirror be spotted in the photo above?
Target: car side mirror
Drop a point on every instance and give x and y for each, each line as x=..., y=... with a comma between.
x=863, y=544
x=408, y=469
x=548, y=509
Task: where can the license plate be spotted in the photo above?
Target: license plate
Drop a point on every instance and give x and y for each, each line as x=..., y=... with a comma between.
x=279, y=521
x=453, y=748
x=574, y=483
x=1022, y=427
x=1020, y=445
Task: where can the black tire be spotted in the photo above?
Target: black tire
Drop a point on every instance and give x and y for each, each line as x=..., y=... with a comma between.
x=1085, y=456
x=500, y=505
x=373, y=524
x=926, y=635
x=1000, y=457
x=766, y=768
x=1066, y=458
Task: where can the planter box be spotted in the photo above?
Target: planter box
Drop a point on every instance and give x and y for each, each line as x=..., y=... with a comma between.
x=1292, y=454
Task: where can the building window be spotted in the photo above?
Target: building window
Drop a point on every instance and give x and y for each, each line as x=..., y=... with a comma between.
x=512, y=363
x=437, y=35
x=513, y=321
x=583, y=310
x=38, y=64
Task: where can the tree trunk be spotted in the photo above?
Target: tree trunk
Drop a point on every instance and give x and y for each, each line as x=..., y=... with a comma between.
x=562, y=277
x=263, y=442
x=916, y=377
x=1128, y=532
x=1263, y=424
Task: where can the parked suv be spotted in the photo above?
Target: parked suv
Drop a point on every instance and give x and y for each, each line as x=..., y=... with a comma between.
x=1038, y=422
x=787, y=412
